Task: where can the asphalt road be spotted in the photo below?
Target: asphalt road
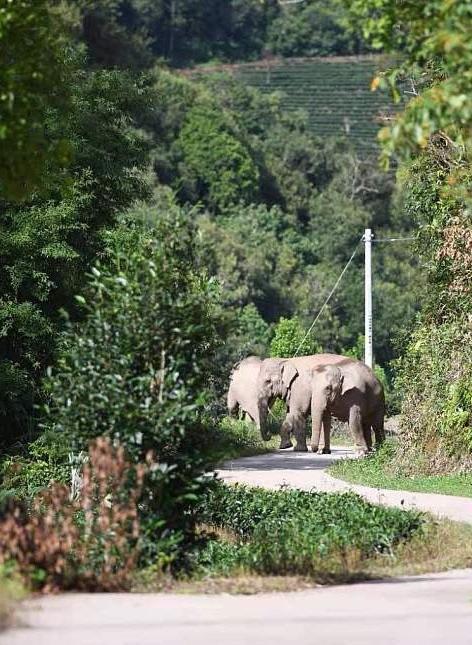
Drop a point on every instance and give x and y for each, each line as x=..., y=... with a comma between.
x=425, y=610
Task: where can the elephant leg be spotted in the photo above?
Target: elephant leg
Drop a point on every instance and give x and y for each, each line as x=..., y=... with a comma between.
x=367, y=431
x=326, y=450
x=285, y=431
x=299, y=431
x=232, y=404
x=355, y=426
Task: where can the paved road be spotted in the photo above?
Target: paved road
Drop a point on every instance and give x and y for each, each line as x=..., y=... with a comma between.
x=306, y=471
x=421, y=610
x=427, y=610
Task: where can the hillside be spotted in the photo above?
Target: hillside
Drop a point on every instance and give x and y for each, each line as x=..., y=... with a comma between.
x=334, y=91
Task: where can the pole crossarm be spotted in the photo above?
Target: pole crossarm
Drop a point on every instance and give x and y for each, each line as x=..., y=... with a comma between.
x=394, y=239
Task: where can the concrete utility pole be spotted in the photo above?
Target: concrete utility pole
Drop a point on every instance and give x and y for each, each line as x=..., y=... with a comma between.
x=368, y=354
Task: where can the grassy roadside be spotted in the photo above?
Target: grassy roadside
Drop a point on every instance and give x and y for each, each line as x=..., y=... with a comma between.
x=11, y=591
x=374, y=471
x=233, y=438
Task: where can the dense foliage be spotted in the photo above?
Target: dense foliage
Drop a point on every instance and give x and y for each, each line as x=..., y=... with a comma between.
x=47, y=243
x=155, y=226
x=278, y=243
x=79, y=541
x=137, y=368
x=184, y=32
x=33, y=80
x=296, y=532
x=433, y=135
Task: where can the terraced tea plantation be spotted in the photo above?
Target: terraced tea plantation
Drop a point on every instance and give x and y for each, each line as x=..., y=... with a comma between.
x=335, y=92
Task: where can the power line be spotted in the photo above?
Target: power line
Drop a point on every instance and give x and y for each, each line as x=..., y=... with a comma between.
x=329, y=296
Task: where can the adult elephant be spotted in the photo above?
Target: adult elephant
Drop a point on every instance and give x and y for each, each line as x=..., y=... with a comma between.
x=292, y=380
x=242, y=391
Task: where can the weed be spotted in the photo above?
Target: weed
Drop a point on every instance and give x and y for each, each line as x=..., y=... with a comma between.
x=85, y=543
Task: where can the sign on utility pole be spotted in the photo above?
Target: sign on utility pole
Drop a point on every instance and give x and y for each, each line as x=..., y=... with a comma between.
x=368, y=354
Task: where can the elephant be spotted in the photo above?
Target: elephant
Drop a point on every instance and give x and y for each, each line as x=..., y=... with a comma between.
x=361, y=401
x=242, y=395
x=327, y=385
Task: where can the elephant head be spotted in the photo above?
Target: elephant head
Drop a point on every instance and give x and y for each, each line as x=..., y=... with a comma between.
x=276, y=376
x=332, y=381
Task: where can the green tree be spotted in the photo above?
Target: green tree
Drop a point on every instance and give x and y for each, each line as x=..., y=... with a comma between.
x=291, y=338
x=312, y=28
x=47, y=244
x=217, y=163
x=33, y=80
x=137, y=368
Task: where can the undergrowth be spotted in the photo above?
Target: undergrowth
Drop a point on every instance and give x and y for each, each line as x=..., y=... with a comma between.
x=88, y=540
x=326, y=536
x=233, y=438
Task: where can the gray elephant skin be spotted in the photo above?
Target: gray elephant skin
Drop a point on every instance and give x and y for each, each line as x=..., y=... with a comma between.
x=242, y=391
x=358, y=398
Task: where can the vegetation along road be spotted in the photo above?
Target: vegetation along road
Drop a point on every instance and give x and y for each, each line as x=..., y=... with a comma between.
x=302, y=470
x=401, y=610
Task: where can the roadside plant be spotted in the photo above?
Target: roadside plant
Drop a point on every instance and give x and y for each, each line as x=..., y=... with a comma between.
x=137, y=368
x=290, y=339
x=90, y=541
x=324, y=535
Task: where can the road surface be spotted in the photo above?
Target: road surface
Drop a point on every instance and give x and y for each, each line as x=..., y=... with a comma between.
x=424, y=610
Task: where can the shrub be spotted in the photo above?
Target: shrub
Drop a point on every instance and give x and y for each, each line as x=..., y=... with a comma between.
x=437, y=408
x=137, y=369
x=289, y=338
x=88, y=542
x=232, y=438
x=219, y=164
x=292, y=531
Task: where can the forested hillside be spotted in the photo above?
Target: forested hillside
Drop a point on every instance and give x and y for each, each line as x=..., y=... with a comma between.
x=187, y=32
x=278, y=211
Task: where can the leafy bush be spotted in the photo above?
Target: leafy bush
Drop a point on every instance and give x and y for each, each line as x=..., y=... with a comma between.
x=88, y=541
x=289, y=338
x=436, y=374
x=219, y=164
x=48, y=244
x=432, y=137
x=292, y=531
x=137, y=368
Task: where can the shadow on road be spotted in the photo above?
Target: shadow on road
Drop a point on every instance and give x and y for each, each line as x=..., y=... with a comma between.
x=287, y=460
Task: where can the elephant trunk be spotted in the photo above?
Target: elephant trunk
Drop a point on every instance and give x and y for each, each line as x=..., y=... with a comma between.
x=316, y=422
x=263, y=409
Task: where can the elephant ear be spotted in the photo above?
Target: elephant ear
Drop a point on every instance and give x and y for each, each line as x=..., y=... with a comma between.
x=289, y=373
x=348, y=383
